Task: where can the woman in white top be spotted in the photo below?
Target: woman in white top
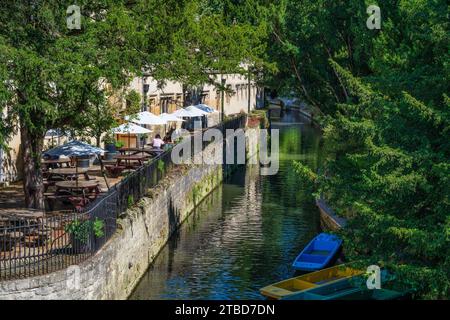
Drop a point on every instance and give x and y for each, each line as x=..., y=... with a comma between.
x=158, y=142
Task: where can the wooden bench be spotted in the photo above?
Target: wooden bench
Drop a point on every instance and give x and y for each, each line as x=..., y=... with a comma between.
x=48, y=184
x=80, y=203
x=51, y=198
x=36, y=239
x=114, y=170
x=8, y=240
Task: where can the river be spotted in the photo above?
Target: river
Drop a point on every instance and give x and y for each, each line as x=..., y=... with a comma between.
x=246, y=233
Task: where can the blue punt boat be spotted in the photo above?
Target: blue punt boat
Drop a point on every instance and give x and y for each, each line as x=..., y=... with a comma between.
x=319, y=253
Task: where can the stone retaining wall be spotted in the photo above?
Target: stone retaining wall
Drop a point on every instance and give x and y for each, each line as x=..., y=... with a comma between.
x=143, y=230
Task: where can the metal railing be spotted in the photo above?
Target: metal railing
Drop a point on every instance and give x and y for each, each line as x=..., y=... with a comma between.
x=39, y=245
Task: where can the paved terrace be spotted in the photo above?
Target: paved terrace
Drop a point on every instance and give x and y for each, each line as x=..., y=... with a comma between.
x=12, y=200
x=33, y=242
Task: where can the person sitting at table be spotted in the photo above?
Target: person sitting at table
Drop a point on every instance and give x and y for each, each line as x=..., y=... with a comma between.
x=168, y=137
x=157, y=142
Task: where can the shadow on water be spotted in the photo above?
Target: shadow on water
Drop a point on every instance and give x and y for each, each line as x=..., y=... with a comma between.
x=245, y=234
x=174, y=222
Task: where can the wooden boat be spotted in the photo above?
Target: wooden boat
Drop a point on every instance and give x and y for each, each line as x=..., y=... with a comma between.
x=353, y=288
x=289, y=287
x=328, y=219
x=319, y=253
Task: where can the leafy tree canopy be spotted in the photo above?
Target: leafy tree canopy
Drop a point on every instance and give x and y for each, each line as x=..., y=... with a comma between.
x=383, y=94
x=55, y=77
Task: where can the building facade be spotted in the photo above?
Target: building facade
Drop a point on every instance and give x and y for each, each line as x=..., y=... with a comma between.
x=240, y=95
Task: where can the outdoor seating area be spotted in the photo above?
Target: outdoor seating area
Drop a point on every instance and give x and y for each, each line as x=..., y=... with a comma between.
x=83, y=185
x=76, y=174
x=69, y=180
x=32, y=243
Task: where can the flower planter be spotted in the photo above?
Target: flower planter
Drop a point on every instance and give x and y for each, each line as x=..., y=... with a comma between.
x=83, y=163
x=79, y=246
x=84, y=235
x=110, y=148
x=109, y=156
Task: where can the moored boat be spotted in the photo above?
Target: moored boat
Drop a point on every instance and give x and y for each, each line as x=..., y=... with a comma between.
x=319, y=253
x=286, y=288
x=328, y=218
x=352, y=288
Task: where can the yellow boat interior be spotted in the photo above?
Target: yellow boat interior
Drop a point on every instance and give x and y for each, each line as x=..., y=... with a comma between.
x=308, y=281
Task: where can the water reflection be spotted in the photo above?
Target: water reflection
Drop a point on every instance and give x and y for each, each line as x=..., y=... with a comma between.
x=244, y=235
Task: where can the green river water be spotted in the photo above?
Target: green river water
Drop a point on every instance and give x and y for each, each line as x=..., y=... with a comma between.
x=246, y=233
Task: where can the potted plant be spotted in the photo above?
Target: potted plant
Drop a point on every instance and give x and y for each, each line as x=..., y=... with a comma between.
x=119, y=144
x=83, y=234
x=110, y=143
x=83, y=161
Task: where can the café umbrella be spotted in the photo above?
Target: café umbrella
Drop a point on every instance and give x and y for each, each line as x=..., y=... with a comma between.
x=146, y=118
x=52, y=133
x=196, y=111
x=75, y=149
x=183, y=113
x=206, y=108
x=190, y=112
x=170, y=117
x=130, y=128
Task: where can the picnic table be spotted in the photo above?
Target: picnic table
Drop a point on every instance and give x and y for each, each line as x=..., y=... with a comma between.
x=129, y=159
x=124, y=162
x=20, y=217
x=79, y=193
x=23, y=227
x=136, y=151
x=156, y=151
x=22, y=213
x=56, y=162
x=8, y=239
x=63, y=174
x=77, y=186
x=4, y=221
x=68, y=173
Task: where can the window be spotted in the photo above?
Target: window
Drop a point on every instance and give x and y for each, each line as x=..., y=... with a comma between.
x=218, y=106
x=205, y=97
x=229, y=93
x=164, y=104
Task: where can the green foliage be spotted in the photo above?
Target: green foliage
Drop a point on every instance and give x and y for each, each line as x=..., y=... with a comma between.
x=133, y=100
x=305, y=172
x=81, y=230
x=160, y=165
x=130, y=201
x=75, y=80
x=119, y=144
x=388, y=173
x=385, y=122
x=109, y=138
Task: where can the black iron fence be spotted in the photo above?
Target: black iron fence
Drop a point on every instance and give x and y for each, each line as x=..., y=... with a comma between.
x=42, y=244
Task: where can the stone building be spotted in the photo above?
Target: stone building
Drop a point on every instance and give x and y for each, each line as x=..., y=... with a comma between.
x=160, y=99
x=173, y=96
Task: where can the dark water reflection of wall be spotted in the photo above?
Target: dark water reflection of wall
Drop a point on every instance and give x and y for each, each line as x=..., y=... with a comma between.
x=245, y=234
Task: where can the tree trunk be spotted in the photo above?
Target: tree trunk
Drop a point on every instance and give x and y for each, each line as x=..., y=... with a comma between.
x=33, y=183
